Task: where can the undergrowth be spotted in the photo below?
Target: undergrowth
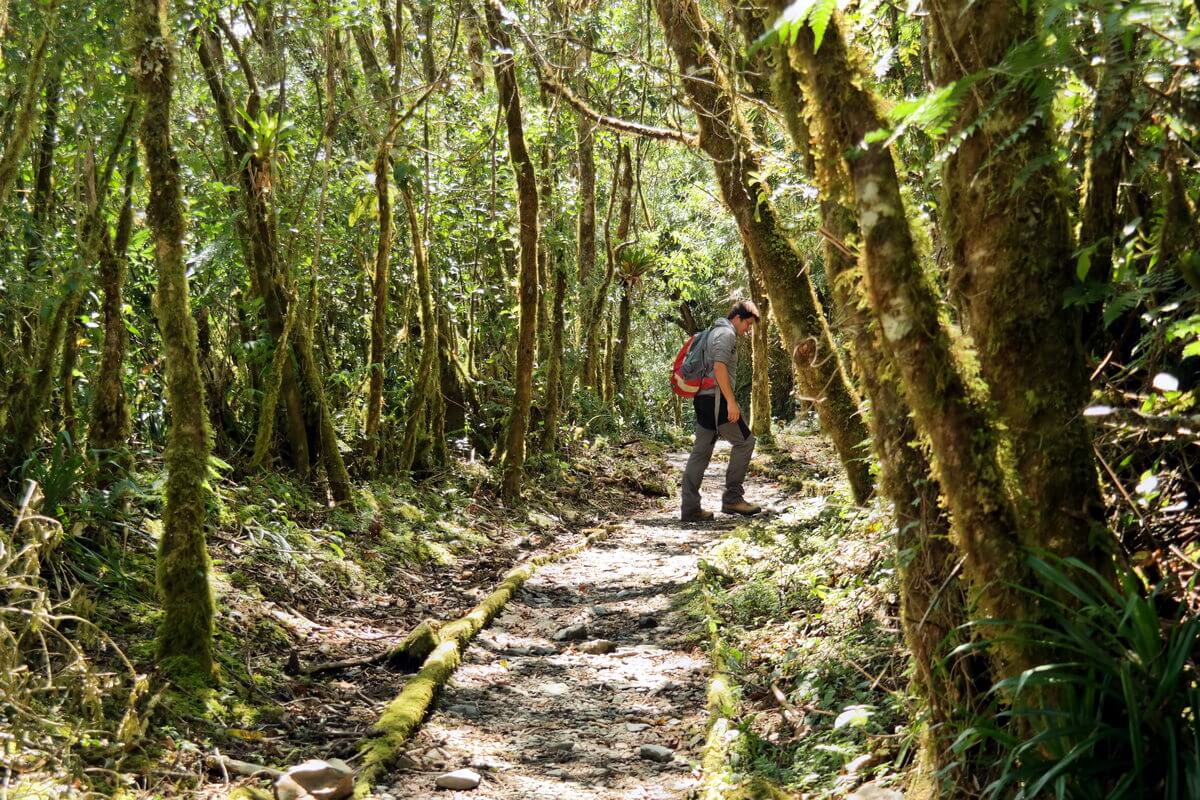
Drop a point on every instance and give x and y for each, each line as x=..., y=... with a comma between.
x=806, y=603
x=806, y=606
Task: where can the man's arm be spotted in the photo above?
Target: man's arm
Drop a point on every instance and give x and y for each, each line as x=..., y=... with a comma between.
x=721, y=372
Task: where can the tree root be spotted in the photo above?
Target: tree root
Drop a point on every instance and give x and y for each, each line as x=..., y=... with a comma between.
x=383, y=745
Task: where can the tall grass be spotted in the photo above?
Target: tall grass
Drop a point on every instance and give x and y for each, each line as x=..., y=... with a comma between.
x=1116, y=718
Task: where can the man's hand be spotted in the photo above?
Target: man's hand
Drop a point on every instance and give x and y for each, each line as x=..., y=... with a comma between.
x=721, y=372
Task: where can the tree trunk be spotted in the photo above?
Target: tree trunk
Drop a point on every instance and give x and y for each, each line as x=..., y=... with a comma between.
x=1103, y=171
x=554, y=376
x=22, y=131
x=110, y=421
x=254, y=177
x=301, y=387
x=585, y=141
x=417, y=417
x=946, y=400
x=527, y=211
x=185, y=638
x=379, y=293
x=1008, y=234
x=622, y=193
x=760, y=357
x=621, y=345
x=727, y=140
x=933, y=601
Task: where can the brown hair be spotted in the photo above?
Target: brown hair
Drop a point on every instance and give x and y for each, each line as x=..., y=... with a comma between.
x=743, y=309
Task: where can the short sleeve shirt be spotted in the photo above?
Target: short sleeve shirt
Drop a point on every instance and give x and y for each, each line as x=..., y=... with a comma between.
x=720, y=346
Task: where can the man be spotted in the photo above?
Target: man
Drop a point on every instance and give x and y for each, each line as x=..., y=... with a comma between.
x=718, y=416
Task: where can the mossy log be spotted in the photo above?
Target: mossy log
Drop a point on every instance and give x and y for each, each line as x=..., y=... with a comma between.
x=410, y=653
x=406, y=655
x=721, y=705
x=404, y=713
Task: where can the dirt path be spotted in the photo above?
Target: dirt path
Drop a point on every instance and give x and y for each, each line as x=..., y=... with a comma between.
x=540, y=717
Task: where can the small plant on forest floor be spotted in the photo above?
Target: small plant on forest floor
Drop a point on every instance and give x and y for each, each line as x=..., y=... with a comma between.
x=1124, y=719
x=55, y=664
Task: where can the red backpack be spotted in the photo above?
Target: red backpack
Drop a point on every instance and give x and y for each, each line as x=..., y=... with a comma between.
x=685, y=387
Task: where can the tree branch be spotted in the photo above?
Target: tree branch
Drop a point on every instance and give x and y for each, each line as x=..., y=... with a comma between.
x=544, y=71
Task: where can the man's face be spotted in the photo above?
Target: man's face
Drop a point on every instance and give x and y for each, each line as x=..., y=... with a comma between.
x=743, y=325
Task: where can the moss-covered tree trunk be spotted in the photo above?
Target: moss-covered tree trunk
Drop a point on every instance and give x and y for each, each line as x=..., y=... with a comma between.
x=22, y=130
x=301, y=389
x=760, y=357
x=622, y=195
x=417, y=414
x=728, y=142
x=379, y=293
x=1006, y=225
x=554, y=374
x=185, y=637
x=933, y=602
x=110, y=420
x=585, y=237
x=622, y=342
x=948, y=403
x=527, y=215
x=255, y=181
x=1105, y=167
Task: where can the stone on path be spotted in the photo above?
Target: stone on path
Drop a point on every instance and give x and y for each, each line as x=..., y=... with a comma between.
x=656, y=752
x=316, y=780
x=460, y=779
x=597, y=647
x=646, y=621
x=873, y=791
x=465, y=710
x=572, y=633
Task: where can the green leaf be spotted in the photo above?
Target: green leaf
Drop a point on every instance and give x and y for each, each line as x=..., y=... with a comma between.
x=853, y=716
x=786, y=26
x=819, y=18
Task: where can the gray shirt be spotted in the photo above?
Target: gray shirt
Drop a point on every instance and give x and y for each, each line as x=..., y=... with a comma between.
x=721, y=345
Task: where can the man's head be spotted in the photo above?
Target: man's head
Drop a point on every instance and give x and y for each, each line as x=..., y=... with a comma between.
x=743, y=315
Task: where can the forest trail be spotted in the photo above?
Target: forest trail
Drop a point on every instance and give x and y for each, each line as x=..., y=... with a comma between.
x=538, y=717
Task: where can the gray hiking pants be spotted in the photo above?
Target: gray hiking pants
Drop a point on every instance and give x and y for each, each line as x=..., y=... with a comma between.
x=737, y=434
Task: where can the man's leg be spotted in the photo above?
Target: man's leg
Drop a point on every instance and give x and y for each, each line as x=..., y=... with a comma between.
x=693, y=473
x=742, y=441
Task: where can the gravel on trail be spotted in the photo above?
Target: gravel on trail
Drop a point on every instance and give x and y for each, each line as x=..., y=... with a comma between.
x=540, y=715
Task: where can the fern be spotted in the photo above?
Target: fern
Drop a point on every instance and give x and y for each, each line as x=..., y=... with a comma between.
x=791, y=21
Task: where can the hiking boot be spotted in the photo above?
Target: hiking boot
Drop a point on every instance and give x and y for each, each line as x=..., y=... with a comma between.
x=740, y=507
x=696, y=516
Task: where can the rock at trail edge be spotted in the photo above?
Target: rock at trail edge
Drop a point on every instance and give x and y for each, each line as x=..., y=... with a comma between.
x=460, y=779
x=316, y=780
x=656, y=752
x=597, y=647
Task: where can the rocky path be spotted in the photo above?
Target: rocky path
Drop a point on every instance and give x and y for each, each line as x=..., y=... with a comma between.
x=591, y=683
